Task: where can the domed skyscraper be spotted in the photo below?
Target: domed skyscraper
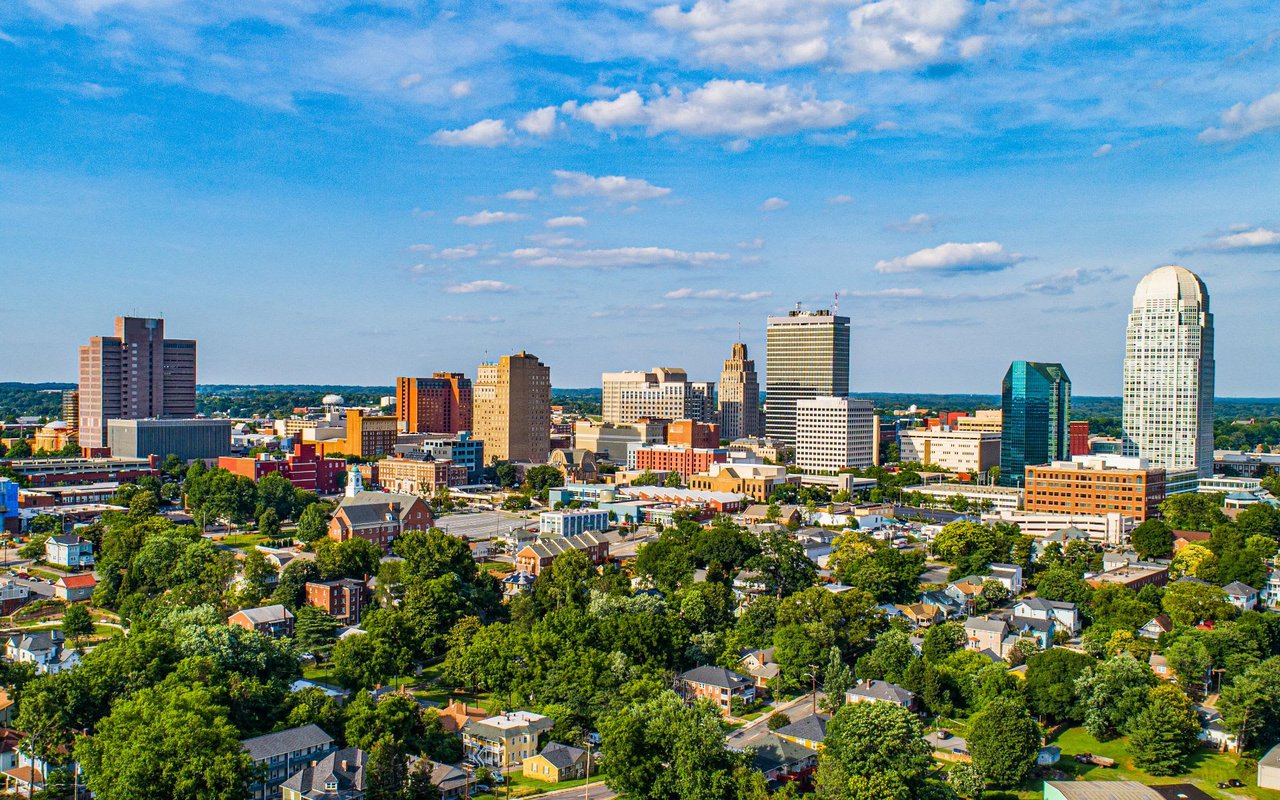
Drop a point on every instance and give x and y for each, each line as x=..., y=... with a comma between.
x=1169, y=372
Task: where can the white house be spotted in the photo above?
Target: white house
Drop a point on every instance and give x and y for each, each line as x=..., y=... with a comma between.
x=1241, y=595
x=1063, y=615
x=69, y=550
x=1009, y=576
x=43, y=649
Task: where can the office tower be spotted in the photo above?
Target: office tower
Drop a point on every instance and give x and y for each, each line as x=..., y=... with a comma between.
x=512, y=408
x=833, y=433
x=439, y=404
x=135, y=374
x=1169, y=372
x=660, y=393
x=806, y=356
x=1035, y=402
x=71, y=407
x=739, y=401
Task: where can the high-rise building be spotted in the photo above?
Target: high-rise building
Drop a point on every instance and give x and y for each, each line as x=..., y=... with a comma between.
x=71, y=407
x=739, y=399
x=512, y=408
x=661, y=393
x=1169, y=372
x=806, y=356
x=1035, y=401
x=439, y=404
x=833, y=433
x=136, y=374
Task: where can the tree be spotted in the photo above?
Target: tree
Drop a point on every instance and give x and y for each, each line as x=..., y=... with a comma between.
x=506, y=473
x=837, y=679
x=1051, y=683
x=517, y=502
x=778, y=719
x=890, y=574
x=667, y=562
x=1188, y=603
x=1153, y=539
x=313, y=523
x=1195, y=560
x=168, y=741
x=294, y=578
x=782, y=564
x=1062, y=585
x=76, y=622
x=1004, y=740
x=354, y=558
x=1190, y=660
x=1250, y=705
x=276, y=493
x=890, y=658
x=541, y=478
x=358, y=662
x=673, y=480
x=873, y=751
x=941, y=641
x=388, y=773
x=1193, y=512
x=313, y=630
x=19, y=449
x=1113, y=693
x=964, y=778
x=269, y=524
x=1164, y=734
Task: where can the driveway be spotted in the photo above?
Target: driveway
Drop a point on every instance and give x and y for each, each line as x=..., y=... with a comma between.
x=748, y=732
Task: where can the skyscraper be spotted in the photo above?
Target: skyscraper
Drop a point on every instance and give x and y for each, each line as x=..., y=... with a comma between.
x=1035, y=400
x=660, y=393
x=135, y=374
x=739, y=401
x=833, y=433
x=439, y=404
x=806, y=356
x=512, y=408
x=1169, y=372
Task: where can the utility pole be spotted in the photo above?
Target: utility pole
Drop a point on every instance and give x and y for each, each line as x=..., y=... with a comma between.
x=813, y=686
x=586, y=791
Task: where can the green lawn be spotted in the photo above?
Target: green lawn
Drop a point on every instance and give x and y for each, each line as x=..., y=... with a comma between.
x=527, y=787
x=1208, y=768
x=243, y=540
x=43, y=573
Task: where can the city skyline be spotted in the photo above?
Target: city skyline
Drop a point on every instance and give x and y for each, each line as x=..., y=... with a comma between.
x=650, y=165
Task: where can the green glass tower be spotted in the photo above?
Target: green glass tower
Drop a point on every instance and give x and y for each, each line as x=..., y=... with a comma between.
x=1035, y=401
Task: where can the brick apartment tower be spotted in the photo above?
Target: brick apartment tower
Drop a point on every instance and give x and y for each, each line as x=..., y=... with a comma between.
x=439, y=404
x=513, y=408
x=739, y=396
x=135, y=374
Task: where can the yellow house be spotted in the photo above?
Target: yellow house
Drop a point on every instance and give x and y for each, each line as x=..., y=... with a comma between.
x=505, y=740
x=557, y=762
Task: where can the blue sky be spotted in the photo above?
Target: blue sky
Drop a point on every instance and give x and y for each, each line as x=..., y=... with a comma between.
x=332, y=192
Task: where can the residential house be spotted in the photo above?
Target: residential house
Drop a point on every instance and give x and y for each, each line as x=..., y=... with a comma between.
x=1160, y=666
x=455, y=716
x=1269, y=769
x=343, y=599
x=517, y=583
x=1183, y=538
x=279, y=755
x=780, y=760
x=1064, y=615
x=452, y=782
x=965, y=592
x=69, y=551
x=1038, y=630
x=6, y=708
x=74, y=588
x=717, y=684
x=809, y=731
x=920, y=615
x=1120, y=790
x=13, y=596
x=760, y=665
x=275, y=621
x=44, y=649
x=880, y=692
x=505, y=740
x=379, y=517
x=557, y=762
x=1241, y=595
x=1212, y=731
x=1062, y=537
x=537, y=556
x=758, y=513
x=1008, y=575
x=1271, y=592
x=9, y=741
x=986, y=633
x=341, y=775
x=1156, y=626
x=950, y=607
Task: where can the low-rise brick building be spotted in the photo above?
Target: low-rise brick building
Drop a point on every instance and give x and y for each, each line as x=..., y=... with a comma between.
x=379, y=517
x=535, y=557
x=344, y=599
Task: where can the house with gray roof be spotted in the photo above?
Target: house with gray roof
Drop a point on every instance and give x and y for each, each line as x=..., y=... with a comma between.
x=275, y=621
x=281, y=754
x=557, y=762
x=880, y=692
x=44, y=649
x=720, y=686
x=809, y=731
x=1269, y=769
x=341, y=775
x=1064, y=615
x=1241, y=595
x=379, y=517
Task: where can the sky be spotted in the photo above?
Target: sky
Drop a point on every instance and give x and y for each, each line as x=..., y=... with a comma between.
x=341, y=192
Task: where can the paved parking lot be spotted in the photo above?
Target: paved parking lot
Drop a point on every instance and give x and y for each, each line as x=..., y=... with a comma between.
x=481, y=525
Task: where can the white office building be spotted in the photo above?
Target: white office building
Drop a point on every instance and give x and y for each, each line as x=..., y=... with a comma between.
x=954, y=451
x=806, y=356
x=660, y=393
x=833, y=433
x=1169, y=372
x=572, y=523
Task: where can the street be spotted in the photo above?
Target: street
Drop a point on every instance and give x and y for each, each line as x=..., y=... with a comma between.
x=742, y=736
x=592, y=791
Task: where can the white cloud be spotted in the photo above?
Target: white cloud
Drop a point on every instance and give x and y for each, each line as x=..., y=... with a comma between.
x=613, y=187
x=900, y=34
x=461, y=251
x=460, y=89
x=1102, y=150
x=616, y=258
x=521, y=194
x=485, y=133
x=839, y=200
x=721, y=108
x=540, y=122
x=895, y=293
x=480, y=286
x=913, y=223
x=737, y=146
x=715, y=294
x=470, y=319
x=751, y=244
x=411, y=80
x=1066, y=281
x=771, y=33
x=489, y=218
x=953, y=258
x=96, y=91
x=1242, y=120
x=566, y=222
x=774, y=204
x=1252, y=239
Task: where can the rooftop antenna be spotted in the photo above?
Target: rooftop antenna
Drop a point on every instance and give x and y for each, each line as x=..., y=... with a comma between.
x=797, y=305
x=836, y=307
x=739, y=330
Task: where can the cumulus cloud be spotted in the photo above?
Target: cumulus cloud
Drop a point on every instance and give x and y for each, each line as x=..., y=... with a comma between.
x=1247, y=239
x=774, y=204
x=913, y=223
x=566, y=222
x=715, y=294
x=460, y=89
x=1066, y=281
x=485, y=133
x=741, y=109
x=901, y=34
x=1102, y=150
x=1241, y=120
x=479, y=287
x=489, y=218
x=953, y=258
x=539, y=122
x=611, y=187
x=774, y=34
x=615, y=258
x=521, y=194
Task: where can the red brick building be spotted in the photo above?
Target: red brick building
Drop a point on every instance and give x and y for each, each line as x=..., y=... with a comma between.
x=675, y=458
x=379, y=517
x=303, y=468
x=1079, y=433
x=690, y=433
x=534, y=558
x=344, y=600
x=439, y=404
x=275, y=621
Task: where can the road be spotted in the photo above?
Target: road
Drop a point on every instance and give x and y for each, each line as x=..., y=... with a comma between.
x=592, y=791
x=748, y=732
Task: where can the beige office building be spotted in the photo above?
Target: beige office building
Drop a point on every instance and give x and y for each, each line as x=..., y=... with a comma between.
x=615, y=442
x=660, y=393
x=833, y=433
x=954, y=451
x=739, y=399
x=807, y=356
x=989, y=420
x=512, y=408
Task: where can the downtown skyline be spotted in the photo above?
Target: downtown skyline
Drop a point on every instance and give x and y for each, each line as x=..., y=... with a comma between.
x=384, y=205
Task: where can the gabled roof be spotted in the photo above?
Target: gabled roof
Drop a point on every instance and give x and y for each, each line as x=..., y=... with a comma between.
x=562, y=755
x=1238, y=589
x=287, y=741
x=771, y=752
x=812, y=728
x=552, y=546
x=372, y=508
x=266, y=615
x=883, y=691
x=986, y=624
x=1161, y=621
x=37, y=641
x=345, y=767
x=68, y=539
x=716, y=676
x=84, y=580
